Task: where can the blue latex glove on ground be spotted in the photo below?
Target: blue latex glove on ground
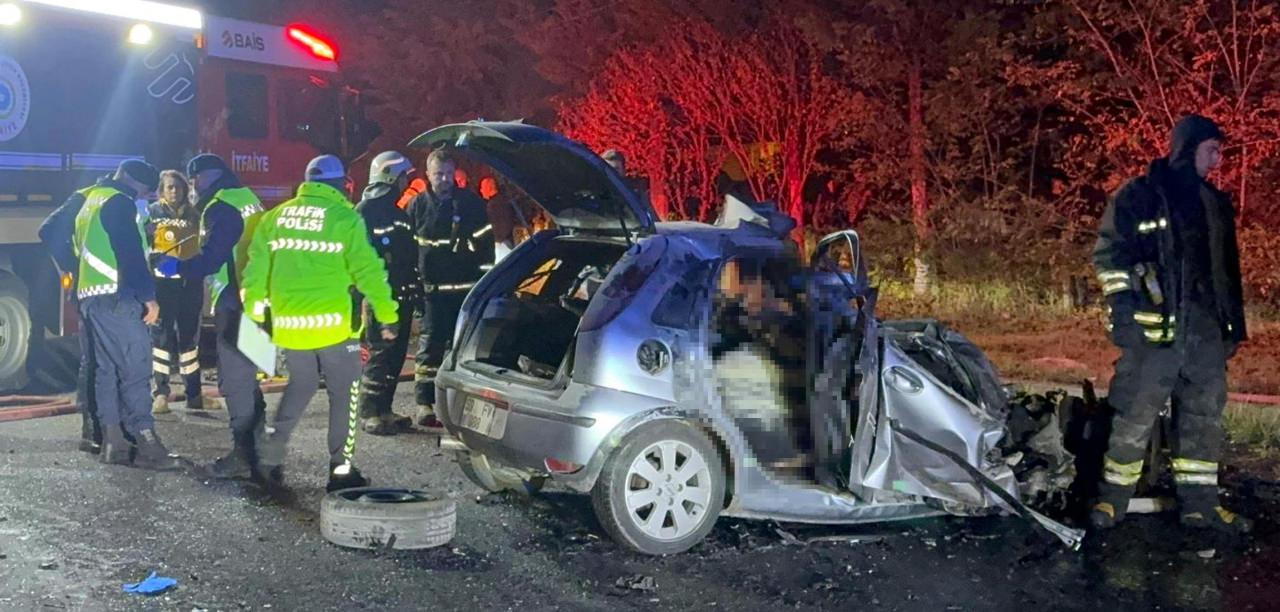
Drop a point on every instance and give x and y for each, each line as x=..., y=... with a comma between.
x=153, y=585
x=167, y=266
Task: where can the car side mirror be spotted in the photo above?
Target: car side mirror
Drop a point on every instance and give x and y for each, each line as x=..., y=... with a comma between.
x=840, y=252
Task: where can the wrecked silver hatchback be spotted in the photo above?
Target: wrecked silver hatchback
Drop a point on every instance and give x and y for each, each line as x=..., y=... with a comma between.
x=679, y=372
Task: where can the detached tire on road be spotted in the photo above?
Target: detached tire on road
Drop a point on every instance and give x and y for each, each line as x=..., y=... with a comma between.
x=374, y=517
x=662, y=489
x=15, y=332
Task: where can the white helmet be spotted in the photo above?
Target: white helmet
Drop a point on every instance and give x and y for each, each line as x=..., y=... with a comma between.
x=387, y=167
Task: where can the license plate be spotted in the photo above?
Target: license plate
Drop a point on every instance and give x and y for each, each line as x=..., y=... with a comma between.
x=484, y=417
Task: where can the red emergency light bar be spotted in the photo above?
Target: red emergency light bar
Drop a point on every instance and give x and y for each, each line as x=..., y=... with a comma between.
x=318, y=47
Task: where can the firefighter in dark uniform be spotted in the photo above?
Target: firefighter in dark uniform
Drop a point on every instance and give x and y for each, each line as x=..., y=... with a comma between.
x=174, y=230
x=455, y=247
x=392, y=237
x=57, y=233
x=1169, y=265
x=117, y=295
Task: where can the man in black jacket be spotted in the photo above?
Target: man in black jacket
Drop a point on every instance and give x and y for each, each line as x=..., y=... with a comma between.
x=229, y=212
x=1169, y=265
x=392, y=237
x=117, y=296
x=455, y=247
x=57, y=233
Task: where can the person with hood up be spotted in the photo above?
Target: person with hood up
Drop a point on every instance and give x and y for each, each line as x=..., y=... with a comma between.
x=229, y=214
x=305, y=258
x=1169, y=265
x=391, y=235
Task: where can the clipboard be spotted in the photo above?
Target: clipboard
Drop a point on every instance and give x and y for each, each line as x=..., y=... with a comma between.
x=256, y=344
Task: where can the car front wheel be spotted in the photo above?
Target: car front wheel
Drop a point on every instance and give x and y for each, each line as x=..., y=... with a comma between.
x=662, y=489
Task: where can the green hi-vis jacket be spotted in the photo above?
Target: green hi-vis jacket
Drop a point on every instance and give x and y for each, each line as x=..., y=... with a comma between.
x=304, y=257
x=99, y=272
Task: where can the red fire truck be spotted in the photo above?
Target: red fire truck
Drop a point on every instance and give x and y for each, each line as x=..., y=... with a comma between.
x=85, y=84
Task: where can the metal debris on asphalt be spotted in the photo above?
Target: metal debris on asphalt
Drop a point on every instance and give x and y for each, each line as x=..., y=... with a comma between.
x=637, y=582
x=48, y=565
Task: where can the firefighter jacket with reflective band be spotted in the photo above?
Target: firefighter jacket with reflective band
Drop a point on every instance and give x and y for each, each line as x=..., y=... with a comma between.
x=1137, y=258
x=100, y=271
x=173, y=231
x=392, y=237
x=305, y=257
x=244, y=202
x=455, y=241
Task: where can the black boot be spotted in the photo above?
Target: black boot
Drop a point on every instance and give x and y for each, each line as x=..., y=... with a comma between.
x=152, y=454
x=115, y=448
x=239, y=463
x=90, y=434
x=344, y=476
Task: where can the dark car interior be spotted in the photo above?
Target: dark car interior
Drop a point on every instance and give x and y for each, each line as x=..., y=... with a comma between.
x=554, y=293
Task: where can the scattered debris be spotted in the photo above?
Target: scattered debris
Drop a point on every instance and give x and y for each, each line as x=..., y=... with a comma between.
x=787, y=538
x=637, y=582
x=1207, y=553
x=153, y=585
x=48, y=565
x=845, y=539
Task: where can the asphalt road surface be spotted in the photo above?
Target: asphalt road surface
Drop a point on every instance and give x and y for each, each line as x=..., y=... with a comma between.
x=72, y=531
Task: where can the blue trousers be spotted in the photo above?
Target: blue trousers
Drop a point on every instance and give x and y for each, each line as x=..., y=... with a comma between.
x=122, y=353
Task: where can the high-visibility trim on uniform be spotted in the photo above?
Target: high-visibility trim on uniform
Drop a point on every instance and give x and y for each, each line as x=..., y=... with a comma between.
x=160, y=354
x=310, y=246
x=1115, y=287
x=349, y=446
x=1195, y=466
x=1105, y=276
x=428, y=242
x=1123, y=474
x=1146, y=227
x=386, y=229
x=333, y=319
x=1158, y=335
x=190, y=355
x=458, y=287
x=102, y=267
x=486, y=267
x=482, y=231
x=98, y=290
x=1148, y=318
x=190, y=367
x=1195, y=479
x=160, y=368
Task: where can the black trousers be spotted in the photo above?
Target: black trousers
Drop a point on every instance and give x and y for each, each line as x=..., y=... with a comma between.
x=176, y=338
x=238, y=380
x=90, y=426
x=121, y=341
x=435, y=336
x=1191, y=373
x=386, y=361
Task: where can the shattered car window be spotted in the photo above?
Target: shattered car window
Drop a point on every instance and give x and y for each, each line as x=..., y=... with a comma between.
x=624, y=283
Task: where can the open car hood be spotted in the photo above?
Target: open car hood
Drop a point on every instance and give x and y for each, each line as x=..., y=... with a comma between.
x=578, y=189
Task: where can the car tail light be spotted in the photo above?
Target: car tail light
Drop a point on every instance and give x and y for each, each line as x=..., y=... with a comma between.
x=556, y=466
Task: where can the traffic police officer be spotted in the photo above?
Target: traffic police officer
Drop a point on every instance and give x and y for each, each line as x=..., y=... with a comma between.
x=455, y=248
x=229, y=213
x=1169, y=265
x=304, y=259
x=117, y=295
x=392, y=237
x=57, y=233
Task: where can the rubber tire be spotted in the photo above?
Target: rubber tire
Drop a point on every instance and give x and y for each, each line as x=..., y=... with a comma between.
x=15, y=321
x=607, y=495
x=478, y=470
x=426, y=522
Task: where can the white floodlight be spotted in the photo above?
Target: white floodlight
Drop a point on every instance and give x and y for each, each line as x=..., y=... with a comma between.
x=141, y=10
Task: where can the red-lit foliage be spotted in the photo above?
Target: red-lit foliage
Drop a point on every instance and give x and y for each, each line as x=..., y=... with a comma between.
x=679, y=108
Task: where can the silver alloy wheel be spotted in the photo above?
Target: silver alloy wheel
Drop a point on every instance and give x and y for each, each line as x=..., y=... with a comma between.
x=668, y=490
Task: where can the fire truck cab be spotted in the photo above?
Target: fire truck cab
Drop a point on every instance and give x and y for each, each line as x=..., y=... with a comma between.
x=85, y=84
